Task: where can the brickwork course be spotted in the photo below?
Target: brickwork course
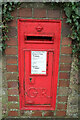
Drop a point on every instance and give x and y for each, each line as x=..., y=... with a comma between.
x=10, y=66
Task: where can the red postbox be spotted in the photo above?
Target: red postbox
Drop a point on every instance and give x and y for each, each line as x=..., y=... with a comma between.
x=38, y=50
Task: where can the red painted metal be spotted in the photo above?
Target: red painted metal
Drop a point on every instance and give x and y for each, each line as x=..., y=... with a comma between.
x=38, y=91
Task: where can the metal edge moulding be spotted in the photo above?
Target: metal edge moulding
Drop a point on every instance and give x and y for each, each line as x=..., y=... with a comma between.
x=38, y=58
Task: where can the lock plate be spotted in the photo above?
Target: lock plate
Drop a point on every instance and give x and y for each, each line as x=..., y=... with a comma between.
x=30, y=79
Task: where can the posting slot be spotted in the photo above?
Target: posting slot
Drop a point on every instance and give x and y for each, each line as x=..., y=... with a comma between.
x=39, y=39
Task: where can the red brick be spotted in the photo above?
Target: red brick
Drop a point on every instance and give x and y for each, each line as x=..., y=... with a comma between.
x=11, y=51
x=21, y=112
x=13, y=106
x=12, y=68
x=39, y=13
x=60, y=113
x=12, y=76
x=66, y=50
x=62, y=98
x=12, y=98
x=64, y=75
x=66, y=29
x=11, y=60
x=49, y=113
x=14, y=13
x=63, y=15
x=65, y=24
x=25, y=113
x=62, y=106
x=65, y=59
x=11, y=42
x=54, y=13
x=12, y=32
x=12, y=91
x=37, y=113
x=63, y=91
x=12, y=84
x=65, y=67
x=66, y=41
x=25, y=12
x=13, y=113
x=12, y=23
x=64, y=83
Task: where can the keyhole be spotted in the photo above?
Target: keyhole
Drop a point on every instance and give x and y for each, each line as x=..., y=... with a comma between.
x=30, y=79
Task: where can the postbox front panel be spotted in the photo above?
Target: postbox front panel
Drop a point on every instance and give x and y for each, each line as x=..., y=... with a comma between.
x=38, y=64
x=38, y=83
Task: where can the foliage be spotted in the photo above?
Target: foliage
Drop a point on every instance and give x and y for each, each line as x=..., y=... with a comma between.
x=7, y=8
x=72, y=11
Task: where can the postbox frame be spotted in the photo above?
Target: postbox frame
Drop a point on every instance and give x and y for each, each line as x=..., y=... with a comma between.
x=21, y=73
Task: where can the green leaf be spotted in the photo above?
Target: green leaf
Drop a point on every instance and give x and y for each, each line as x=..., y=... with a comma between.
x=78, y=11
x=78, y=27
x=10, y=3
x=78, y=38
x=68, y=11
x=10, y=8
x=76, y=23
x=68, y=20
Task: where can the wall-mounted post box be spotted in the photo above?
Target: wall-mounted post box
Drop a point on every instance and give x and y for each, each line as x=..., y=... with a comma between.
x=38, y=50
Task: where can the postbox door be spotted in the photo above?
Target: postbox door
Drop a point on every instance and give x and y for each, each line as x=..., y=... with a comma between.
x=38, y=77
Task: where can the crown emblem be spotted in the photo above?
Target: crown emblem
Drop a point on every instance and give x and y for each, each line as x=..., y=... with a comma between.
x=39, y=28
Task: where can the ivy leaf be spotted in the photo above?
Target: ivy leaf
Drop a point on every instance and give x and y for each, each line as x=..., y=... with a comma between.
x=78, y=27
x=78, y=38
x=10, y=8
x=78, y=11
x=68, y=20
x=0, y=48
x=74, y=35
x=76, y=23
x=10, y=3
x=68, y=11
x=4, y=46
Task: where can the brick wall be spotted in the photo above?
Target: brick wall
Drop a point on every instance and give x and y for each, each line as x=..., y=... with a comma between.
x=37, y=11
